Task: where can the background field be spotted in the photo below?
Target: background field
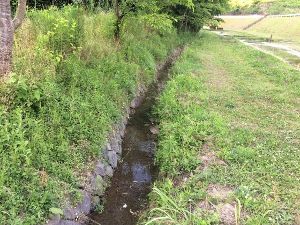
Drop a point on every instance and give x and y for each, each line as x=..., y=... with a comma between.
x=286, y=28
x=238, y=23
x=264, y=6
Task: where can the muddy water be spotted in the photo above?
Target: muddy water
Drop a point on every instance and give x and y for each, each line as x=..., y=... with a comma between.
x=131, y=183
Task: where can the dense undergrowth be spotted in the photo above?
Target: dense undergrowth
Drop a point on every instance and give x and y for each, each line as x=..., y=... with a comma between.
x=229, y=138
x=70, y=83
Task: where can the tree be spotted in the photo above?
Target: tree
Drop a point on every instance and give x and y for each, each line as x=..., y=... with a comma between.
x=186, y=15
x=43, y=4
x=7, y=29
x=119, y=17
x=147, y=11
x=193, y=15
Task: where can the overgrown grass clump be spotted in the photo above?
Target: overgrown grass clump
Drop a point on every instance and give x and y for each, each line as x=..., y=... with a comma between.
x=229, y=118
x=70, y=84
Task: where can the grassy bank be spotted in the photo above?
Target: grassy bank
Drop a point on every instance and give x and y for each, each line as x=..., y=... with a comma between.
x=237, y=23
x=229, y=138
x=286, y=28
x=70, y=84
x=264, y=6
x=281, y=28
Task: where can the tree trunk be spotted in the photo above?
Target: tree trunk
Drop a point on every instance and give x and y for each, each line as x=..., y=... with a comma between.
x=7, y=29
x=6, y=37
x=20, y=14
x=119, y=20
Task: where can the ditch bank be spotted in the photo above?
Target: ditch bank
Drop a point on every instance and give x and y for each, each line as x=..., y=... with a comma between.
x=124, y=173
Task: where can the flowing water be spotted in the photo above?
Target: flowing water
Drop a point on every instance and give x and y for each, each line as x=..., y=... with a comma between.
x=132, y=180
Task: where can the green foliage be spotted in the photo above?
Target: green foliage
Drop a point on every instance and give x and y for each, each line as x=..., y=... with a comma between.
x=70, y=84
x=60, y=30
x=229, y=122
x=186, y=15
x=183, y=128
x=192, y=16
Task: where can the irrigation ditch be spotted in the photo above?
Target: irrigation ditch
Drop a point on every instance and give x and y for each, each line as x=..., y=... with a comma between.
x=124, y=174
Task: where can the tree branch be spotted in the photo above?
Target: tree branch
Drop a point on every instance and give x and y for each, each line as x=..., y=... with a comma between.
x=20, y=14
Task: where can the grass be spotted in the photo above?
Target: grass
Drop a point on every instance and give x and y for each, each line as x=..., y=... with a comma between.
x=69, y=85
x=229, y=136
x=286, y=28
x=287, y=57
x=264, y=6
x=258, y=42
x=275, y=26
x=237, y=24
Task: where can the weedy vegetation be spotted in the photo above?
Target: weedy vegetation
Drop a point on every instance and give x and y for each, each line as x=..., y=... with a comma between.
x=229, y=118
x=70, y=83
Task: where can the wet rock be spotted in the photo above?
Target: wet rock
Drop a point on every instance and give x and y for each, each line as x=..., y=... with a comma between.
x=98, y=186
x=136, y=102
x=85, y=206
x=71, y=213
x=133, y=103
x=95, y=201
x=154, y=130
x=109, y=171
x=115, y=145
x=104, y=170
x=148, y=147
x=122, y=128
x=112, y=159
x=100, y=169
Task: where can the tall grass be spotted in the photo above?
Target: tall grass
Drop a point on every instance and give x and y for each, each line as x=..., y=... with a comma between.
x=170, y=212
x=70, y=83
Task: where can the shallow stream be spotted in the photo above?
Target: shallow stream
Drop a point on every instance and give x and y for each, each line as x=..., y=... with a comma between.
x=127, y=196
